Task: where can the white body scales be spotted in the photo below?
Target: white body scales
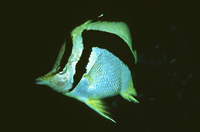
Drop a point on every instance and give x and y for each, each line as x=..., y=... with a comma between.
x=106, y=75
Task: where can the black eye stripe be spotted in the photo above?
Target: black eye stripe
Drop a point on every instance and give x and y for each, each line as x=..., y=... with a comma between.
x=67, y=53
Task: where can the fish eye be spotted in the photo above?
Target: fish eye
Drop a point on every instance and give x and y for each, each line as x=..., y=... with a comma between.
x=63, y=71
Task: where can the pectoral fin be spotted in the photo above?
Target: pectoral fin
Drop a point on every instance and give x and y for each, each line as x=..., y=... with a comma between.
x=100, y=108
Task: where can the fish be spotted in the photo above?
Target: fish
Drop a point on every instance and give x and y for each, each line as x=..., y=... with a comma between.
x=106, y=75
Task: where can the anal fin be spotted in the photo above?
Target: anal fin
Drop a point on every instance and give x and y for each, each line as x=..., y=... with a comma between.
x=99, y=107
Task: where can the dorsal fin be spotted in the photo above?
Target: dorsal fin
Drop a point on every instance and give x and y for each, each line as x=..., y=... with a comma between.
x=118, y=28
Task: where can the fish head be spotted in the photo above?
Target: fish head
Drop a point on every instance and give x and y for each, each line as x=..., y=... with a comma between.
x=59, y=80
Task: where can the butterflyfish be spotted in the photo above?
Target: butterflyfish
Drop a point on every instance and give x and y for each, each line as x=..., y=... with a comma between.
x=105, y=74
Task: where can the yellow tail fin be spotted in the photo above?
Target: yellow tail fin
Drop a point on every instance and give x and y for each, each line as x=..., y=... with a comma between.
x=100, y=108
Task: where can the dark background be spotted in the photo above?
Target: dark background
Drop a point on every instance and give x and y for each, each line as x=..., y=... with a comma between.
x=165, y=35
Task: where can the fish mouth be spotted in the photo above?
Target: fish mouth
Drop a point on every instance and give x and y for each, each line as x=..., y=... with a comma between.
x=39, y=81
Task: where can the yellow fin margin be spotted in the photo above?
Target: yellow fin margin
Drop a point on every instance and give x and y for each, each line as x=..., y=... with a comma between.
x=129, y=92
x=129, y=97
x=100, y=108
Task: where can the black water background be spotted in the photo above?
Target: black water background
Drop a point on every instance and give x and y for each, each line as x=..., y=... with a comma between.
x=165, y=36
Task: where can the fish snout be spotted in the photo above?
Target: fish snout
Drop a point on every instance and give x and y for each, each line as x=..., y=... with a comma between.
x=40, y=81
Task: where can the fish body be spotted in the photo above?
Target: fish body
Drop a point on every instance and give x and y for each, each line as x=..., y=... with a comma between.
x=106, y=75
